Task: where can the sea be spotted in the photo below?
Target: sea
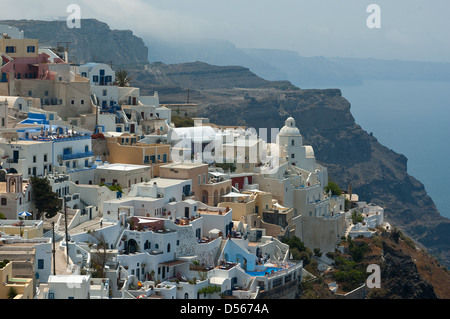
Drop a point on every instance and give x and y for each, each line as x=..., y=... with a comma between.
x=412, y=118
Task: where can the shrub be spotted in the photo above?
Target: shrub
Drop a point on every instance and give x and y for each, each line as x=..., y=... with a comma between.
x=317, y=252
x=298, y=249
x=349, y=274
x=357, y=217
x=4, y=263
x=12, y=293
x=182, y=122
x=335, y=189
x=98, y=136
x=210, y=289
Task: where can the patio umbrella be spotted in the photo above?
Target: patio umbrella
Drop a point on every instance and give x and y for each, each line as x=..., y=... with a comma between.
x=24, y=214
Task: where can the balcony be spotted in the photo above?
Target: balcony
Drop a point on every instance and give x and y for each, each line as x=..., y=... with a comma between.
x=65, y=157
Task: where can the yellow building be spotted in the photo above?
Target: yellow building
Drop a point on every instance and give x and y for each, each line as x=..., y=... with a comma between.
x=22, y=288
x=197, y=172
x=126, y=150
x=247, y=203
x=28, y=229
x=24, y=48
x=212, y=192
x=242, y=207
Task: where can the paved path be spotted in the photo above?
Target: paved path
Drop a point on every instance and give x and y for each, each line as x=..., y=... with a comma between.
x=61, y=265
x=61, y=261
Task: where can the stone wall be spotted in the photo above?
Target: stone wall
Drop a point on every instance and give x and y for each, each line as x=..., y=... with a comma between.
x=286, y=291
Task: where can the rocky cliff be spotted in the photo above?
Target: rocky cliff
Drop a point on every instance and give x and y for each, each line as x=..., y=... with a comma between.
x=94, y=41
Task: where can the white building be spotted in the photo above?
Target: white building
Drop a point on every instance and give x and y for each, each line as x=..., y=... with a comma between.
x=192, y=141
x=155, y=198
x=291, y=147
x=15, y=102
x=68, y=287
x=12, y=32
x=373, y=217
x=27, y=157
x=299, y=182
x=104, y=88
x=124, y=175
x=40, y=150
x=100, y=74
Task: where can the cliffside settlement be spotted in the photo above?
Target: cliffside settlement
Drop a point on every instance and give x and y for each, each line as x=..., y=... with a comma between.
x=148, y=209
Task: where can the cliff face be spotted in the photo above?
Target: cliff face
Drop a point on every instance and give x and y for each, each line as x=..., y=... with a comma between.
x=94, y=41
x=401, y=277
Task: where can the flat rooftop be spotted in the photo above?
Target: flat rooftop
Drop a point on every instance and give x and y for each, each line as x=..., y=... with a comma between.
x=183, y=165
x=27, y=142
x=163, y=182
x=129, y=199
x=68, y=278
x=122, y=167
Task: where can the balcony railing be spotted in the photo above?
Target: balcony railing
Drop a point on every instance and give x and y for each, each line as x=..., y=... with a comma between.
x=77, y=155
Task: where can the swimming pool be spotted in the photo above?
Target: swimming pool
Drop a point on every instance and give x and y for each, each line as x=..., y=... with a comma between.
x=268, y=270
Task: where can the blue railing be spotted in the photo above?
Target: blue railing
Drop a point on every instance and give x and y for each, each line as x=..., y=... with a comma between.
x=77, y=155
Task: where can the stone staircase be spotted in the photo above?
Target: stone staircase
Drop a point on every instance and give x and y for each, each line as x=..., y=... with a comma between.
x=60, y=227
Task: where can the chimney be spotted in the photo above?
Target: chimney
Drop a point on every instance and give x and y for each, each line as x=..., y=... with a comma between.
x=154, y=190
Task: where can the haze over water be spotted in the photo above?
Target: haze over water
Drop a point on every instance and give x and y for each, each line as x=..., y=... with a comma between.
x=412, y=118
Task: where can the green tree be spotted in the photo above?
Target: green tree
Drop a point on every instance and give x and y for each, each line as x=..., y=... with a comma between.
x=349, y=273
x=335, y=189
x=295, y=242
x=298, y=249
x=45, y=200
x=358, y=250
x=113, y=187
x=123, y=78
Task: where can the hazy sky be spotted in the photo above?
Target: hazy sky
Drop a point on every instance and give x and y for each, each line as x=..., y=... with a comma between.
x=410, y=29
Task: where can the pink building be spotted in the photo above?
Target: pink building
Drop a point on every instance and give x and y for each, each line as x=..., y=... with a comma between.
x=20, y=59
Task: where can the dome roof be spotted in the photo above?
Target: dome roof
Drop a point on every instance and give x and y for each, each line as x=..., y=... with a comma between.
x=289, y=128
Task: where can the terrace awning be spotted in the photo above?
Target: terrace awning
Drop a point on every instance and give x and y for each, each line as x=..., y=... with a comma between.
x=217, y=174
x=172, y=263
x=234, y=194
x=279, y=206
